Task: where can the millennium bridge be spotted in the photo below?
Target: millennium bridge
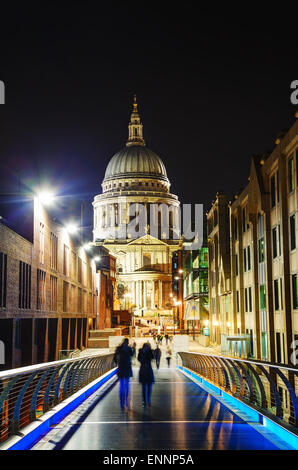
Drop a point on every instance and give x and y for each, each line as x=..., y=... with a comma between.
x=202, y=402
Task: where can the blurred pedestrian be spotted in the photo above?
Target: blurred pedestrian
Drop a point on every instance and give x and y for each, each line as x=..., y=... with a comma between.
x=169, y=356
x=157, y=355
x=146, y=376
x=122, y=358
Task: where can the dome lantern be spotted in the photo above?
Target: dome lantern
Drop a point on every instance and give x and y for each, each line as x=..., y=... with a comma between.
x=135, y=127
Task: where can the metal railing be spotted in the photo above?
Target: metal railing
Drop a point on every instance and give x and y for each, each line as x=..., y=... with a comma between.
x=270, y=388
x=29, y=392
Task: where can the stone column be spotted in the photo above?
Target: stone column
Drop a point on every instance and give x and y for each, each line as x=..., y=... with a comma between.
x=153, y=295
x=145, y=294
x=159, y=294
x=140, y=294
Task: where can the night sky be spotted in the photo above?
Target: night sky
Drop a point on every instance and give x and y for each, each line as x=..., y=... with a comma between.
x=213, y=88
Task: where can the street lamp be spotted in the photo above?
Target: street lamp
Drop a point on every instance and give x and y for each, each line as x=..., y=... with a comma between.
x=71, y=228
x=46, y=197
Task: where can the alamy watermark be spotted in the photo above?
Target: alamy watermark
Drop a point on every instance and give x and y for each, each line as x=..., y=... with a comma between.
x=122, y=220
x=294, y=94
x=2, y=92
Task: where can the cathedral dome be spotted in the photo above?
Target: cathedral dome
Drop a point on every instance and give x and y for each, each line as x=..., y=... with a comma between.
x=136, y=161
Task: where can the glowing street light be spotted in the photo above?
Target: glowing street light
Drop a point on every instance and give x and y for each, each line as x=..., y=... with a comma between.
x=71, y=228
x=96, y=258
x=46, y=197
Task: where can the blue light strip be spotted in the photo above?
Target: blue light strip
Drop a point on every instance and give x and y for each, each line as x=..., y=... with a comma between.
x=254, y=416
x=26, y=442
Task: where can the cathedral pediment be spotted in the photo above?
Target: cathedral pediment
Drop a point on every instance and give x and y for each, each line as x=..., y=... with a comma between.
x=147, y=240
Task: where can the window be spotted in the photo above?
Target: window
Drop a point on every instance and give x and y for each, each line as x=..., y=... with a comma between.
x=277, y=185
x=53, y=252
x=3, y=279
x=278, y=348
x=65, y=260
x=236, y=228
x=41, y=290
x=237, y=301
x=292, y=232
x=244, y=219
x=281, y=294
x=73, y=298
x=263, y=297
x=279, y=240
x=236, y=265
x=273, y=189
x=244, y=260
x=80, y=270
x=274, y=242
x=276, y=295
x=65, y=296
x=73, y=266
x=261, y=250
x=80, y=304
x=250, y=299
x=295, y=291
x=245, y=299
x=291, y=173
x=24, y=285
x=53, y=288
x=248, y=258
x=41, y=243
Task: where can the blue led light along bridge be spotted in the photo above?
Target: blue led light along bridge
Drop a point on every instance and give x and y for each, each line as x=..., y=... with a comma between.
x=212, y=402
x=262, y=389
x=28, y=393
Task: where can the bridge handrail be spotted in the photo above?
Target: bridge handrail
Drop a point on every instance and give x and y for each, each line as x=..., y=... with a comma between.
x=28, y=392
x=269, y=387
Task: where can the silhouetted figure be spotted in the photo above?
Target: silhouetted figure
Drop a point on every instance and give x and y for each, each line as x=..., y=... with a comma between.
x=146, y=376
x=167, y=339
x=169, y=356
x=122, y=358
x=157, y=355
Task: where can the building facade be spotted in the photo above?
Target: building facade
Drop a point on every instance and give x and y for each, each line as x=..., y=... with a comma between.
x=136, y=218
x=48, y=292
x=258, y=281
x=195, y=292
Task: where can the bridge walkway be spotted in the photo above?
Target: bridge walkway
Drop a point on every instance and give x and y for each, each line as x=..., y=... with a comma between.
x=182, y=416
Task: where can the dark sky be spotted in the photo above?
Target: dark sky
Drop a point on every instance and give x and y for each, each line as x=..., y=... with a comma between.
x=213, y=88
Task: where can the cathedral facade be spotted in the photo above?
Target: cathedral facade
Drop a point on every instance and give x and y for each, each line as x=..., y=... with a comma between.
x=136, y=218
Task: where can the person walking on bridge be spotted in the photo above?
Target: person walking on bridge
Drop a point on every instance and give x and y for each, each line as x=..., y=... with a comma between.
x=169, y=355
x=146, y=376
x=122, y=358
x=157, y=355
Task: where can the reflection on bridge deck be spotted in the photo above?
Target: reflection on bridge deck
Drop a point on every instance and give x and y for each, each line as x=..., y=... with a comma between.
x=182, y=416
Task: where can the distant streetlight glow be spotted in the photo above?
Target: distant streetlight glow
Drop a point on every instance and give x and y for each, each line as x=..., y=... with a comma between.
x=71, y=228
x=97, y=258
x=46, y=197
x=87, y=247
